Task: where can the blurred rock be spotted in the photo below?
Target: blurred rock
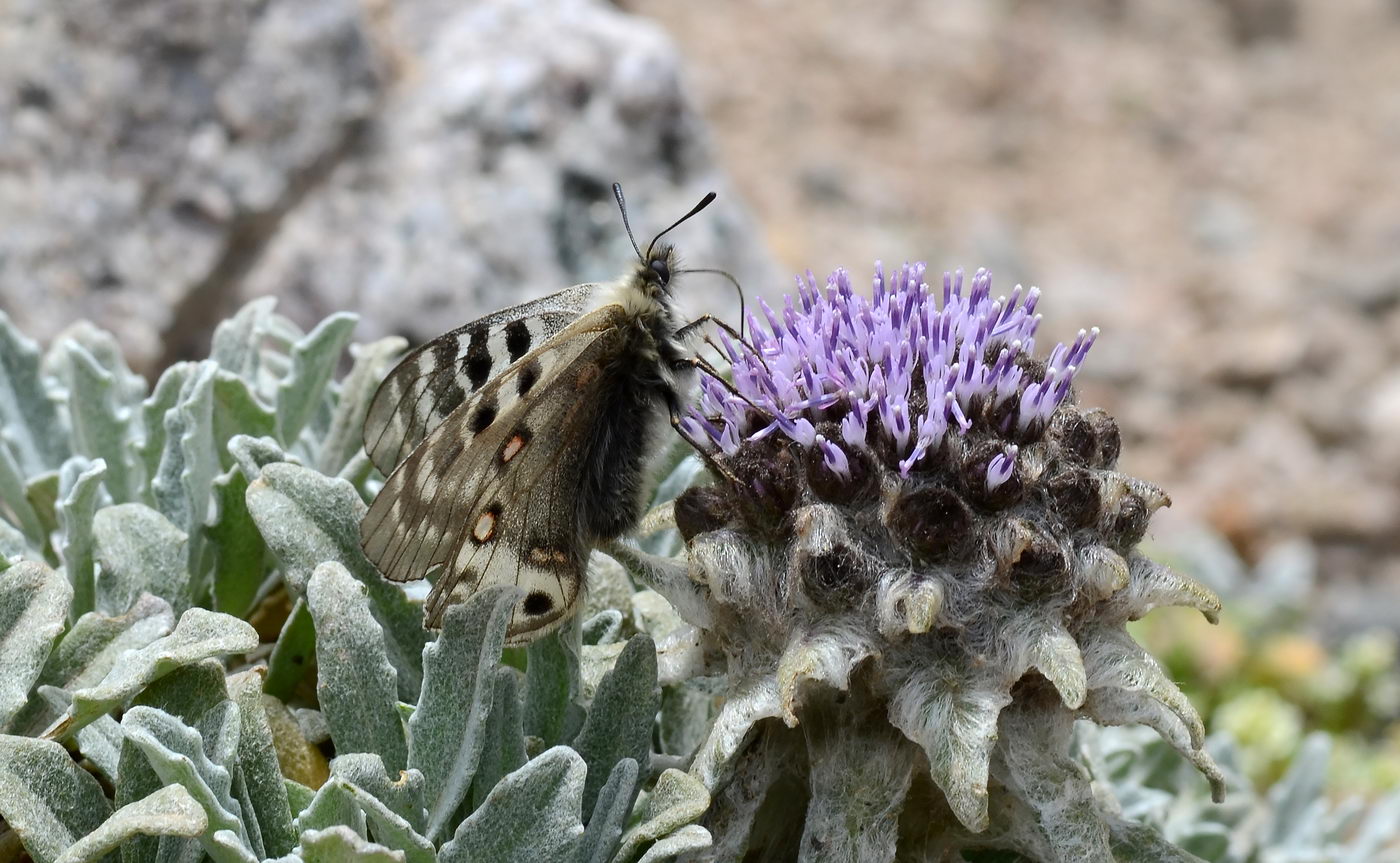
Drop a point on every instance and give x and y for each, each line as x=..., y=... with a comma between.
x=418, y=162
x=151, y=146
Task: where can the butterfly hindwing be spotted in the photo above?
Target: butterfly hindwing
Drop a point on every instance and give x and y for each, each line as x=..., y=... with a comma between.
x=438, y=377
x=495, y=503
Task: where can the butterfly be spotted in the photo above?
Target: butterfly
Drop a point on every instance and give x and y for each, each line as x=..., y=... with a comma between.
x=515, y=444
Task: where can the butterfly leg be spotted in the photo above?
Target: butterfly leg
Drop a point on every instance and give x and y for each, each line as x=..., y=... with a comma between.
x=701, y=448
x=711, y=319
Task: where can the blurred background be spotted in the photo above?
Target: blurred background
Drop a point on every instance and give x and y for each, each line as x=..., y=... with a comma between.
x=1214, y=183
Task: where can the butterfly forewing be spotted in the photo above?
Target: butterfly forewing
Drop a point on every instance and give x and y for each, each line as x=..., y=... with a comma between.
x=437, y=378
x=495, y=503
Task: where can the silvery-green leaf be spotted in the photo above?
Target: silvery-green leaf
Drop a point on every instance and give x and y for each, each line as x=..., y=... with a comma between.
x=339, y=844
x=100, y=423
x=403, y=794
x=343, y=440
x=14, y=502
x=1032, y=759
x=33, y=613
x=13, y=544
x=46, y=798
x=691, y=837
x=332, y=805
x=532, y=815
x=42, y=492
x=30, y=428
x=101, y=743
x=192, y=695
x=103, y=347
x=199, y=635
x=553, y=686
x=293, y=653
x=239, y=549
x=237, y=340
x=1140, y=843
x=257, y=760
x=95, y=643
x=621, y=716
x=306, y=519
x=1298, y=791
x=355, y=682
x=140, y=552
x=678, y=800
x=389, y=827
x=605, y=627
x=298, y=796
x=237, y=411
x=952, y=713
x=1055, y=654
x=252, y=454
x=83, y=493
x=147, y=453
x=668, y=541
x=188, y=463
x=314, y=359
x=170, y=811
x=177, y=754
x=448, y=728
x=604, y=830
x=748, y=702
x=503, y=746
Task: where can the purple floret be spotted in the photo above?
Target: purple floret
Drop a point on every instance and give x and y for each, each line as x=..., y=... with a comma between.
x=899, y=361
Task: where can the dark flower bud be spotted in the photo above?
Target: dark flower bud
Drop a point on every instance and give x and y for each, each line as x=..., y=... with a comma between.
x=933, y=523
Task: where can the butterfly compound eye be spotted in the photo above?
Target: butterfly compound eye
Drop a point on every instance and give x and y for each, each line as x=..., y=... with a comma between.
x=662, y=271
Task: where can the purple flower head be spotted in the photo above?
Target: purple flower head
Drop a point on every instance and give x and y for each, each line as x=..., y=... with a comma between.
x=904, y=366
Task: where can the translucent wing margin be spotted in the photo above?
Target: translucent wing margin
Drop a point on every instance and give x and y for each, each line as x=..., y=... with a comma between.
x=436, y=378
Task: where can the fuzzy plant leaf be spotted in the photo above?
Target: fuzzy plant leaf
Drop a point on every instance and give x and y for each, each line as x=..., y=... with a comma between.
x=620, y=720
x=448, y=729
x=503, y=744
x=33, y=613
x=170, y=811
x=185, y=473
x=176, y=752
x=29, y=421
x=237, y=339
x=261, y=773
x=388, y=827
x=46, y=798
x=293, y=653
x=604, y=831
x=314, y=358
x=100, y=421
x=340, y=844
x=678, y=800
x=15, y=503
x=97, y=641
x=344, y=439
x=140, y=552
x=237, y=411
x=356, y=682
x=306, y=519
x=199, y=635
x=553, y=685
x=403, y=795
x=239, y=550
x=533, y=814
x=952, y=714
x=75, y=510
x=149, y=450
x=332, y=805
x=691, y=837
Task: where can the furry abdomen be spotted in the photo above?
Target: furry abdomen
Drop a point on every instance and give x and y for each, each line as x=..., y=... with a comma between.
x=628, y=436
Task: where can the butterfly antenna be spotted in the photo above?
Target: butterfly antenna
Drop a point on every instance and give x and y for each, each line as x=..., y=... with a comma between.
x=622, y=205
x=704, y=202
x=737, y=287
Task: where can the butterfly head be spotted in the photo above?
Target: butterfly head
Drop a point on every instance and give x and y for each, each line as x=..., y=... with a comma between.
x=660, y=265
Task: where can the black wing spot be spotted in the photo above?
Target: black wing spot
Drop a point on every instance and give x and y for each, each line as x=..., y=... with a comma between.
x=529, y=375
x=538, y=603
x=483, y=417
x=477, y=362
x=443, y=383
x=517, y=339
